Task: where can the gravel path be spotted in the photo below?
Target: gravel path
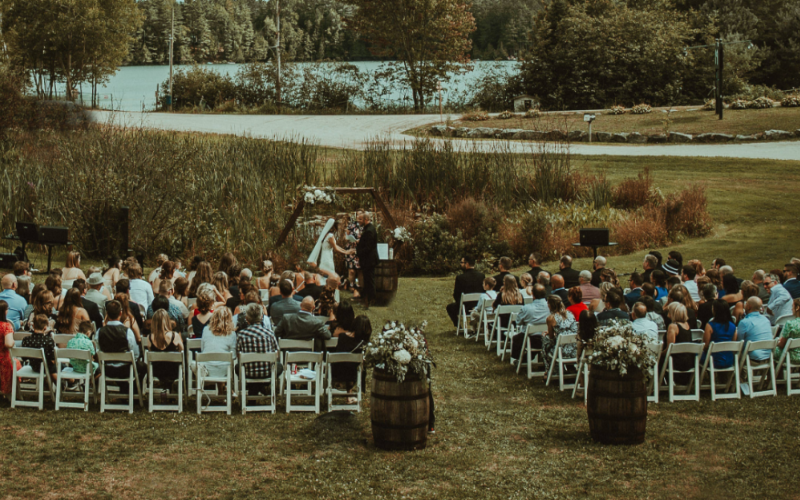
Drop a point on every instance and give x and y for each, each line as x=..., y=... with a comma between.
x=356, y=131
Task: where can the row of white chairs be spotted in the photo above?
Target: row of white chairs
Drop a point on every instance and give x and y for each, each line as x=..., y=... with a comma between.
x=756, y=374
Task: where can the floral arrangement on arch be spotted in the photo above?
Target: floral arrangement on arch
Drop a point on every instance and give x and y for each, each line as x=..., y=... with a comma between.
x=314, y=195
x=400, y=351
x=618, y=347
x=402, y=235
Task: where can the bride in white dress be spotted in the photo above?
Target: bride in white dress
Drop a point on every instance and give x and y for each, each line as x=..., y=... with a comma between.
x=323, y=251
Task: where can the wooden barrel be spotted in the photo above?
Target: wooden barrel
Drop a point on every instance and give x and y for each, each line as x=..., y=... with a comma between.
x=385, y=281
x=617, y=406
x=399, y=411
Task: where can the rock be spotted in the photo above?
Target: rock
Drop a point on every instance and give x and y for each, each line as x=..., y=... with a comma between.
x=528, y=135
x=797, y=133
x=461, y=132
x=575, y=135
x=440, y=130
x=620, y=137
x=507, y=133
x=555, y=135
x=636, y=138
x=481, y=133
x=658, y=138
x=602, y=137
x=713, y=137
x=777, y=135
x=740, y=137
x=679, y=137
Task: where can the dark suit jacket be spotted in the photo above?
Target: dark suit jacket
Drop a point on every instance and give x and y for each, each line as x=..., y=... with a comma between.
x=793, y=287
x=646, y=275
x=570, y=277
x=499, y=281
x=564, y=294
x=367, y=247
x=312, y=290
x=596, y=280
x=304, y=326
x=534, y=272
x=470, y=281
x=632, y=297
x=94, y=312
x=612, y=314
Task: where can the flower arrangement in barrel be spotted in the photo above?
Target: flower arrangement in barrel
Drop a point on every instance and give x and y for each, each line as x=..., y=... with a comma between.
x=618, y=347
x=400, y=350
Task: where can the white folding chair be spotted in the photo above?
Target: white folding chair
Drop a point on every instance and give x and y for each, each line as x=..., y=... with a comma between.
x=287, y=345
x=133, y=378
x=26, y=372
x=164, y=357
x=344, y=357
x=497, y=328
x=18, y=336
x=68, y=373
x=697, y=334
x=655, y=349
x=510, y=332
x=661, y=335
x=196, y=344
x=583, y=375
x=785, y=367
x=270, y=358
x=463, y=315
x=485, y=320
x=331, y=343
x=783, y=320
x=532, y=354
x=562, y=361
x=766, y=366
x=60, y=339
x=191, y=302
x=264, y=294
x=313, y=360
x=224, y=357
x=683, y=348
x=733, y=370
x=145, y=347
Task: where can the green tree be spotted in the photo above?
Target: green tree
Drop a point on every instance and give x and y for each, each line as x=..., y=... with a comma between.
x=427, y=38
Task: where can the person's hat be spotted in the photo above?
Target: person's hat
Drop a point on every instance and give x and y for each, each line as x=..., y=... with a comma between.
x=672, y=267
x=95, y=279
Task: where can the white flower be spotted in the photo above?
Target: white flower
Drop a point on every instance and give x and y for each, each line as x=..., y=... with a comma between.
x=309, y=198
x=633, y=349
x=402, y=356
x=615, y=342
x=318, y=193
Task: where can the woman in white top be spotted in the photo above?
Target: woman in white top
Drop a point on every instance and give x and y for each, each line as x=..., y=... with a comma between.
x=324, y=251
x=218, y=336
x=488, y=293
x=72, y=268
x=111, y=276
x=157, y=271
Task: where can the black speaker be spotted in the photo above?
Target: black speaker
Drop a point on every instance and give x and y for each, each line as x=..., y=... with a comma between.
x=54, y=235
x=7, y=260
x=27, y=231
x=594, y=237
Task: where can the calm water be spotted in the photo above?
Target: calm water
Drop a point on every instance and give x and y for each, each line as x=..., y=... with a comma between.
x=133, y=88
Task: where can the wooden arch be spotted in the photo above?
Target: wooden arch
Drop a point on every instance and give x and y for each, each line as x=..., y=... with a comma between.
x=301, y=203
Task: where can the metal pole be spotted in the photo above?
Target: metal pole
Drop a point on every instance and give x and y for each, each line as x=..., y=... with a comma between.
x=590, y=131
x=721, y=79
x=171, y=43
x=278, y=51
x=717, y=79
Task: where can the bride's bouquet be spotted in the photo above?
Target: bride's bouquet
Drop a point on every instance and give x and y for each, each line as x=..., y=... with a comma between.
x=400, y=351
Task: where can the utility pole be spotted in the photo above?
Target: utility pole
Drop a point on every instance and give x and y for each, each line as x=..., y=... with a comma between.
x=278, y=52
x=171, y=46
x=719, y=53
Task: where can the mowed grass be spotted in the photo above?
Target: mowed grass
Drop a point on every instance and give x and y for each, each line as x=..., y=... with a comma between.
x=736, y=121
x=498, y=435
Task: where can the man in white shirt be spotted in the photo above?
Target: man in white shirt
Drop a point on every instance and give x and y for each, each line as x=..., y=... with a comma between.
x=642, y=325
x=535, y=313
x=780, y=300
x=140, y=291
x=687, y=276
x=116, y=337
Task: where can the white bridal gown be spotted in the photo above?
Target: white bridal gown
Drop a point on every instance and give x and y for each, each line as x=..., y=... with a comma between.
x=326, y=258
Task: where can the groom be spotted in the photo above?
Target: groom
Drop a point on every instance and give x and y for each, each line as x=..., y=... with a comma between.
x=367, y=252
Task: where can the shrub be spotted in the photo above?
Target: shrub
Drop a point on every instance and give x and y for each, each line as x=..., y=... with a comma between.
x=496, y=89
x=436, y=249
x=791, y=101
x=479, y=224
x=200, y=87
x=506, y=115
x=617, y=110
x=12, y=101
x=475, y=116
x=641, y=109
x=739, y=104
x=634, y=193
x=642, y=230
x=761, y=103
x=710, y=105
x=532, y=113
x=528, y=233
x=686, y=213
x=597, y=191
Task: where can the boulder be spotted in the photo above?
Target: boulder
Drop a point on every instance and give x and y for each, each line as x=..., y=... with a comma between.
x=679, y=137
x=797, y=133
x=575, y=135
x=602, y=136
x=620, y=137
x=481, y=133
x=636, y=138
x=657, y=138
x=777, y=135
x=461, y=132
x=440, y=130
x=713, y=137
x=507, y=133
x=555, y=135
x=528, y=135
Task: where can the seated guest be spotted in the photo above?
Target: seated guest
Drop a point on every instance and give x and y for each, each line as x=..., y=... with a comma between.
x=41, y=339
x=135, y=309
x=43, y=305
x=754, y=327
x=525, y=283
x=162, y=302
x=94, y=294
x=672, y=268
x=534, y=260
x=733, y=294
x=636, y=282
x=206, y=297
x=587, y=327
x=677, y=257
x=559, y=322
x=24, y=288
x=488, y=294
x=641, y=324
x=16, y=304
x=239, y=319
x=576, y=306
x=303, y=325
x=112, y=274
x=180, y=293
x=218, y=337
x=353, y=341
x=648, y=290
x=780, y=300
x=535, y=313
x=652, y=314
x=274, y=290
x=38, y=289
x=659, y=259
x=589, y=292
x=598, y=305
x=649, y=265
x=166, y=273
x=241, y=289
x=679, y=332
x=599, y=266
x=92, y=309
x=611, y=310
x=505, y=266
x=163, y=338
x=343, y=319
x=609, y=276
x=202, y=274
x=705, y=309
x=310, y=287
x=791, y=330
x=139, y=290
x=699, y=270
x=285, y=305
x=220, y=282
x=71, y=270
x=508, y=296
x=570, y=275
x=71, y=312
x=791, y=283
x=234, y=276
x=659, y=280
x=688, y=281
x=326, y=305
x=721, y=329
x=544, y=280
x=256, y=338
x=82, y=342
x=749, y=289
x=558, y=288
x=758, y=280
x=21, y=268
x=264, y=282
x=680, y=294
x=154, y=275
x=718, y=263
x=116, y=337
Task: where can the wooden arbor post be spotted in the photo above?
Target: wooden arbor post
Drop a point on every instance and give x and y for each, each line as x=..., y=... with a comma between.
x=301, y=203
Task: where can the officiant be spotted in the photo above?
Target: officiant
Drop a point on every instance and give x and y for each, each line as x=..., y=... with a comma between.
x=367, y=252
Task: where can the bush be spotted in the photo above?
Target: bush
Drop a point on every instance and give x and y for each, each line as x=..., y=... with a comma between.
x=791, y=101
x=436, y=249
x=475, y=116
x=761, y=103
x=641, y=109
x=617, y=110
x=740, y=104
x=532, y=113
x=12, y=101
x=479, y=224
x=634, y=193
x=506, y=115
x=528, y=234
x=199, y=87
x=496, y=89
x=710, y=105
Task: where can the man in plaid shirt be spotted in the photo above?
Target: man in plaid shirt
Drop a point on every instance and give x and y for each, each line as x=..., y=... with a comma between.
x=256, y=338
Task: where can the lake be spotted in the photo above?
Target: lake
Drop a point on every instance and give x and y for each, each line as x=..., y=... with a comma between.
x=133, y=88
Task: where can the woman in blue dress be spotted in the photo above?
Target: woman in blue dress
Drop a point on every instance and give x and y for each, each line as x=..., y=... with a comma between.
x=720, y=329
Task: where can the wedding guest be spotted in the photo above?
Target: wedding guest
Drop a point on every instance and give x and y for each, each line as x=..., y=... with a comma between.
x=587, y=327
x=755, y=327
x=488, y=294
x=71, y=270
x=16, y=304
x=21, y=268
x=42, y=305
x=202, y=314
x=326, y=305
x=504, y=264
x=352, y=341
x=758, y=280
x=688, y=281
x=251, y=297
x=111, y=275
x=780, y=301
x=37, y=290
x=24, y=288
x=659, y=280
x=130, y=308
x=71, y=312
x=256, y=338
x=41, y=339
x=196, y=260
x=525, y=282
x=652, y=314
x=160, y=259
x=535, y=313
x=721, y=329
x=559, y=322
x=303, y=325
x=705, y=309
x=749, y=289
x=139, y=290
x=791, y=330
x=166, y=273
x=92, y=309
x=285, y=305
x=310, y=286
x=220, y=282
x=649, y=265
x=180, y=289
x=576, y=306
x=679, y=331
x=94, y=284
x=611, y=311
x=469, y=281
x=81, y=341
x=352, y=235
x=569, y=275
x=6, y=361
x=263, y=282
x=698, y=267
x=116, y=337
x=508, y=296
x=599, y=265
x=636, y=283
x=558, y=288
x=589, y=292
x=218, y=336
x=203, y=274
x=226, y=262
x=164, y=339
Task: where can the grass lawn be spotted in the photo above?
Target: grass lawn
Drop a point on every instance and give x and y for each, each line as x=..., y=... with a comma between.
x=745, y=122
x=497, y=434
